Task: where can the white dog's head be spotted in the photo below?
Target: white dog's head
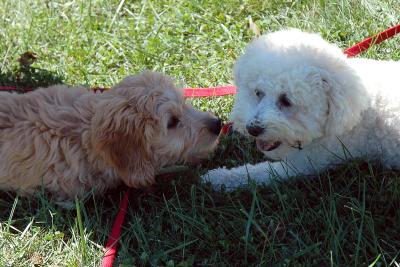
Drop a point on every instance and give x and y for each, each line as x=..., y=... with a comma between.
x=294, y=88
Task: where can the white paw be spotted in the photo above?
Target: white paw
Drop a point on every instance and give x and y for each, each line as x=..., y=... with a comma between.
x=229, y=179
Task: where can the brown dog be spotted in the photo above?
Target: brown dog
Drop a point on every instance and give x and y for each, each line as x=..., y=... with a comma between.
x=71, y=141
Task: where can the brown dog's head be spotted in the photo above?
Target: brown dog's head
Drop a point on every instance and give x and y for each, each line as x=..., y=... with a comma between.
x=143, y=124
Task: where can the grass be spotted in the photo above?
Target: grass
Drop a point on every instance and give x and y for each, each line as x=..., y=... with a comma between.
x=344, y=217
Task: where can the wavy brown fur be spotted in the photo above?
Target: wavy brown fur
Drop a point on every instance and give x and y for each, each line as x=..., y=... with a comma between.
x=72, y=141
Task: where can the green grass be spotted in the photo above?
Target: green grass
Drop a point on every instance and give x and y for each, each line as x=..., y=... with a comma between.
x=345, y=217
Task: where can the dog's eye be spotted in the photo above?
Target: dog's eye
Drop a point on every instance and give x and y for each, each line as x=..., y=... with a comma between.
x=284, y=101
x=259, y=93
x=173, y=122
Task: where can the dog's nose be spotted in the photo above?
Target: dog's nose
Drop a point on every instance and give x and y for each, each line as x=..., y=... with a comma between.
x=254, y=129
x=214, y=126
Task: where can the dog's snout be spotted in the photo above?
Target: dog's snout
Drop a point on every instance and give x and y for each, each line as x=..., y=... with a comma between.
x=254, y=129
x=214, y=126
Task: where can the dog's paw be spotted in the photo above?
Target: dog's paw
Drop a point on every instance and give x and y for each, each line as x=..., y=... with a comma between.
x=224, y=178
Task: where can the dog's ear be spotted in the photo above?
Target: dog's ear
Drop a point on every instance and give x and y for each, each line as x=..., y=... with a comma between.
x=344, y=99
x=121, y=135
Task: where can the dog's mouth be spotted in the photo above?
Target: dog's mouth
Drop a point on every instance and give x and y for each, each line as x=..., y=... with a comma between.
x=267, y=145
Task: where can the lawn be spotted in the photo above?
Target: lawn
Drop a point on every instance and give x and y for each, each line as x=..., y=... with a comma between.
x=348, y=216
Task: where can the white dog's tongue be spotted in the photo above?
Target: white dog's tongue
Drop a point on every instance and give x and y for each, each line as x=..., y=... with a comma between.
x=267, y=146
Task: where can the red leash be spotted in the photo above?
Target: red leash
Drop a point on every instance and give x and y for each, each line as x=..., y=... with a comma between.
x=376, y=39
x=111, y=246
x=212, y=91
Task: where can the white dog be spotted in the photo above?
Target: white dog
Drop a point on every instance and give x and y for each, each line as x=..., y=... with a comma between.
x=310, y=107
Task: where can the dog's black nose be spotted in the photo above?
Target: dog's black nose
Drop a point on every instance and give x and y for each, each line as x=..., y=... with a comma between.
x=214, y=126
x=254, y=130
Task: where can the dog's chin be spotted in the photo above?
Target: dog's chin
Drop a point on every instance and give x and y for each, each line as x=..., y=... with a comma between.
x=202, y=156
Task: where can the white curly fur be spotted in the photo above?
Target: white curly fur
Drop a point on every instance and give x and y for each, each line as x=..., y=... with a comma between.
x=340, y=107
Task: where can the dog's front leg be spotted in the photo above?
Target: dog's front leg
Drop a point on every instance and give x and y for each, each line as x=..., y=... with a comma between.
x=261, y=173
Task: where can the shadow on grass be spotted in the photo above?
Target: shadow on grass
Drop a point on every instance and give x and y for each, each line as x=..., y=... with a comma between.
x=29, y=77
x=347, y=216
x=25, y=76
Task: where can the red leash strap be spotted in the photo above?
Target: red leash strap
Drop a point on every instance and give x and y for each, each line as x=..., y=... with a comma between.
x=226, y=128
x=376, y=39
x=212, y=91
x=112, y=243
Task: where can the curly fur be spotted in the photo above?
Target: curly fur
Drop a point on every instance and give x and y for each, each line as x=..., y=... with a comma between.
x=339, y=107
x=71, y=141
